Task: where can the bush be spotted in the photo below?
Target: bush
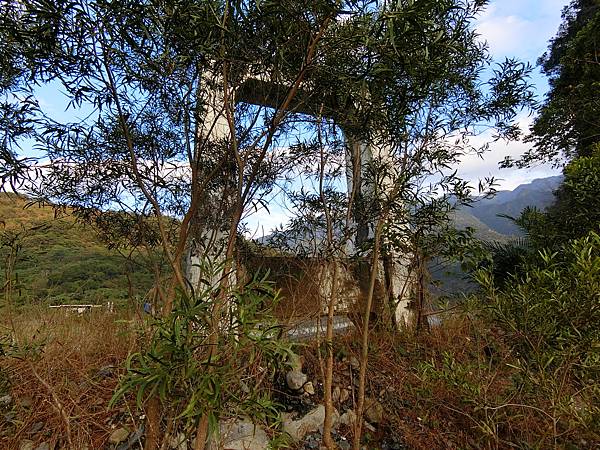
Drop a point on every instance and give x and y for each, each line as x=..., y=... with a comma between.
x=576, y=210
x=551, y=316
x=195, y=376
x=553, y=309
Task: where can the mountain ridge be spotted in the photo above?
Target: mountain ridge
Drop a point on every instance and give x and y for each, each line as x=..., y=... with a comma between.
x=538, y=193
x=485, y=215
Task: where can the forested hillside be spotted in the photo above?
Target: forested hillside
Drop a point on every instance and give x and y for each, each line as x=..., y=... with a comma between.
x=61, y=261
x=539, y=194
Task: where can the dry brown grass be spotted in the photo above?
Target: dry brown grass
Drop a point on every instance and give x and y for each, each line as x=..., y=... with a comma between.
x=454, y=388
x=297, y=280
x=64, y=382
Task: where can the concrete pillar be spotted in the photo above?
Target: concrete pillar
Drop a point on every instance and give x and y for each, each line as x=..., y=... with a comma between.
x=211, y=227
x=366, y=192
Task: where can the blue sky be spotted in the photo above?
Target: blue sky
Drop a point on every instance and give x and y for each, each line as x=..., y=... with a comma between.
x=512, y=28
x=521, y=29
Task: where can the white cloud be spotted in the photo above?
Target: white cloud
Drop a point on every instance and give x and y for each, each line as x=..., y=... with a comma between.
x=505, y=34
x=474, y=168
x=519, y=28
x=522, y=29
x=263, y=222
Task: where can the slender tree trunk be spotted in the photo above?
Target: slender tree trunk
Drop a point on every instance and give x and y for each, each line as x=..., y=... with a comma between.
x=422, y=320
x=152, y=423
x=328, y=384
x=365, y=340
x=388, y=308
x=201, y=433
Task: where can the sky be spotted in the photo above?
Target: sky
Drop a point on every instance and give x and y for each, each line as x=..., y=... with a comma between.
x=513, y=29
x=521, y=29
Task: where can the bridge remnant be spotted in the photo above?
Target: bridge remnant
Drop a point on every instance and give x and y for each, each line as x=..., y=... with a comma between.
x=213, y=224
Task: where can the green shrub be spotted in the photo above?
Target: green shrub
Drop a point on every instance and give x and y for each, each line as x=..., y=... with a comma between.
x=551, y=317
x=552, y=310
x=576, y=210
x=193, y=376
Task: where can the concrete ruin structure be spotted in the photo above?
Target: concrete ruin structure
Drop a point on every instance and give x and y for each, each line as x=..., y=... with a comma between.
x=214, y=221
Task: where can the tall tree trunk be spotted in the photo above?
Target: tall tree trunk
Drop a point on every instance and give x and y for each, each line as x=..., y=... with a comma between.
x=365, y=340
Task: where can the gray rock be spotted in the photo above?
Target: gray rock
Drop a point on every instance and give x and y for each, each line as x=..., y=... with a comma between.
x=370, y=427
x=335, y=395
x=344, y=445
x=178, y=442
x=26, y=444
x=118, y=436
x=36, y=427
x=134, y=440
x=295, y=379
x=242, y=434
x=374, y=411
x=6, y=400
x=311, y=422
x=295, y=362
x=348, y=418
x=354, y=362
x=344, y=395
x=106, y=371
x=309, y=388
x=43, y=446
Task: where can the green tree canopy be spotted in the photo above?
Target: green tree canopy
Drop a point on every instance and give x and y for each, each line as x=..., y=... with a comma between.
x=576, y=211
x=408, y=73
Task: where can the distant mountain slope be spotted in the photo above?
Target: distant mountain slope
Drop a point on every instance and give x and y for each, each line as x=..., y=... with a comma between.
x=62, y=261
x=463, y=219
x=483, y=216
x=538, y=193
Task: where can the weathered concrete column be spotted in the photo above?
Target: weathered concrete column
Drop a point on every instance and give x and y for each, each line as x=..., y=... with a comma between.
x=370, y=180
x=363, y=159
x=210, y=228
x=357, y=152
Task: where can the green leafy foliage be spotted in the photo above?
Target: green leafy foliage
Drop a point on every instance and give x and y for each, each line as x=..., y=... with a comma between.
x=567, y=125
x=575, y=212
x=456, y=374
x=577, y=207
x=504, y=258
x=552, y=311
x=195, y=374
x=62, y=261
